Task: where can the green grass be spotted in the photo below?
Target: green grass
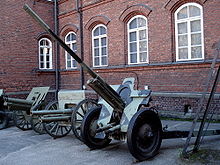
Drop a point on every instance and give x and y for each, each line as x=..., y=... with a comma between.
x=203, y=156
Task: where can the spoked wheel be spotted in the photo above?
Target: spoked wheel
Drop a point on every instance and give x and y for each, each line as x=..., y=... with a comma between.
x=36, y=123
x=58, y=129
x=78, y=114
x=3, y=120
x=88, y=130
x=20, y=120
x=144, y=134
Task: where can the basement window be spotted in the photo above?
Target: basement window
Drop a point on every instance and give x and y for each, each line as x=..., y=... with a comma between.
x=45, y=54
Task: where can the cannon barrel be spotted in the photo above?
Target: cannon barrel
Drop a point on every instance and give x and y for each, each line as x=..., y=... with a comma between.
x=55, y=118
x=51, y=112
x=108, y=94
x=18, y=101
x=104, y=92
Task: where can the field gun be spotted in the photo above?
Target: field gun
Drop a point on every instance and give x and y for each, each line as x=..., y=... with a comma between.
x=124, y=112
x=20, y=109
x=65, y=114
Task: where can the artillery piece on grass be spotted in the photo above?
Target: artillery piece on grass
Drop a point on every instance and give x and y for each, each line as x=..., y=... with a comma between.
x=20, y=109
x=123, y=113
x=66, y=114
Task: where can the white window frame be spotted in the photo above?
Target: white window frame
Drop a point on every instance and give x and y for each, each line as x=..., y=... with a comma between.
x=99, y=37
x=66, y=54
x=188, y=20
x=44, y=55
x=138, y=41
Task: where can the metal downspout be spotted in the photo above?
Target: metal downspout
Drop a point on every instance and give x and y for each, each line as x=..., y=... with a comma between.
x=56, y=48
x=79, y=9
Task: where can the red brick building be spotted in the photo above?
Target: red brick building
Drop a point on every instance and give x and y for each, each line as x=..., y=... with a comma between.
x=166, y=45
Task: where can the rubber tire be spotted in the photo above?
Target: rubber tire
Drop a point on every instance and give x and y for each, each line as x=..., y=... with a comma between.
x=5, y=120
x=144, y=117
x=91, y=142
x=74, y=117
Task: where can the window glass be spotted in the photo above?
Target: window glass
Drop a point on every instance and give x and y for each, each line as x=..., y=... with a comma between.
x=195, y=26
x=133, y=24
x=182, y=13
x=137, y=40
x=182, y=28
x=70, y=40
x=183, y=40
x=143, y=34
x=194, y=11
x=189, y=32
x=102, y=31
x=99, y=46
x=96, y=32
x=196, y=52
x=141, y=22
x=45, y=54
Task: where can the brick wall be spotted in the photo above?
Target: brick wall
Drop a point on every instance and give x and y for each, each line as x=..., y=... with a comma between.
x=19, y=35
x=162, y=73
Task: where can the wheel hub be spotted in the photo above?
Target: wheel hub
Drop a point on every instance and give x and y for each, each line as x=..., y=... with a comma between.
x=145, y=132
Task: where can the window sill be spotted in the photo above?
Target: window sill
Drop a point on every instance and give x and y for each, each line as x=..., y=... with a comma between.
x=191, y=62
x=44, y=70
x=69, y=70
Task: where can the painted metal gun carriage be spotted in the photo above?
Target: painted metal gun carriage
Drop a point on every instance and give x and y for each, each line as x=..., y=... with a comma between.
x=20, y=109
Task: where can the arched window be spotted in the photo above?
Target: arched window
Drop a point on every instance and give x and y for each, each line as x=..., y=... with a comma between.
x=137, y=40
x=45, y=53
x=189, y=32
x=70, y=40
x=99, y=46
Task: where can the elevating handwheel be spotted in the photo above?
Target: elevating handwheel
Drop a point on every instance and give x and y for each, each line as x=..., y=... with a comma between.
x=144, y=134
x=78, y=114
x=88, y=130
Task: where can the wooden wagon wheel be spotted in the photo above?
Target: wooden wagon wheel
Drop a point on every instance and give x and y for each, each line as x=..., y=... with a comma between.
x=20, y=120
x=36, y=123
x=57, y=129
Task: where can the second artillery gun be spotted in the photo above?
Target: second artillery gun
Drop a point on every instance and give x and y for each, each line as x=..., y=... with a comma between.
x=20, y=109
x=123, y=114
x=65, y=114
